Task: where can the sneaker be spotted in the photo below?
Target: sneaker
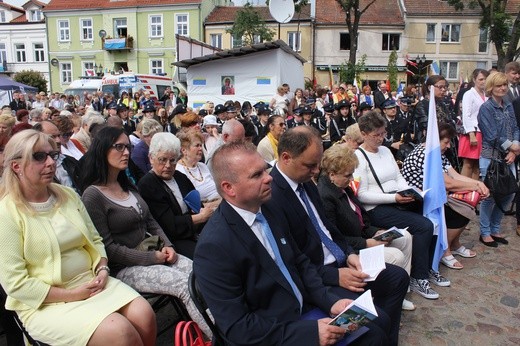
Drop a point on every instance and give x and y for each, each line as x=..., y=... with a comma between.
x=438, y=279
x=422, y=287
x=408, y=305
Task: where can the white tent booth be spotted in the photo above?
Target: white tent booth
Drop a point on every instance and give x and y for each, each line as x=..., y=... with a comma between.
x=250, y=73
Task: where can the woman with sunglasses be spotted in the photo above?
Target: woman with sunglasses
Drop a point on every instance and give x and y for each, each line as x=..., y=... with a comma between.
x=123, y=219
x=53, y=262
x=69, y=147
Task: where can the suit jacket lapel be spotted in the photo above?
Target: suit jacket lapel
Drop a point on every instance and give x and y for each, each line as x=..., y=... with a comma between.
x=253, y=245
x=292, y=199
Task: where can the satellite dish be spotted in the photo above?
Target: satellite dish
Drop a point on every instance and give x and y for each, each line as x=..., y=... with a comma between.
x=282, y=10
x=102, y=33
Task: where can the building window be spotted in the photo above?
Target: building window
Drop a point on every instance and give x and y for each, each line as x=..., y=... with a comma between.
x=450, y=33
x=156, y=28
x=2, y=16
x=236, y=42
x=216, y=40
x=19, y=51
x=63, y=31
x=86, y=30
x=182, y=24
x=156, y=66
x=66, y=72
x=3, y=53
x=482, y=65
x=483, y=40
x=120, y=28
x=391, y=41
x=430, y=32
x=257, y=39
x=295, y=40
x=39, y=53
x=35, y=15
x=344, y=41
x=449, y=69
x=88, y=68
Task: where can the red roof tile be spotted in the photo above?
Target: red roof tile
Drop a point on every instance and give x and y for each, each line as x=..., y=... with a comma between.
x=20, y=19
x=382, y=12
x=442, y=8
x=227, y=14
x=57, y=5
x=11, y=7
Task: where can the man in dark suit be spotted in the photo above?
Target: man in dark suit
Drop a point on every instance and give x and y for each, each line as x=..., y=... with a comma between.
x=512, y=71
x=296, y=196
x=255, y=281
x=381, y=94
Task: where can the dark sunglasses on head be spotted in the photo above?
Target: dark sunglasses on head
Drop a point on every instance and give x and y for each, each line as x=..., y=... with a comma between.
x=67, y=134
x=41, y=156
x=121, y=147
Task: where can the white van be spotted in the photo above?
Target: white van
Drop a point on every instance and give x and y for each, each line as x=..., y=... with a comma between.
x=87, y=84
x=131, y=83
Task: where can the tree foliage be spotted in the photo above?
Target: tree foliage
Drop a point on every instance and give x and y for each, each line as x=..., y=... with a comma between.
x=353, y=14
x=392, y=70
x=348, y=71
x=32, y=78
x=248, y=24
x=504, y=30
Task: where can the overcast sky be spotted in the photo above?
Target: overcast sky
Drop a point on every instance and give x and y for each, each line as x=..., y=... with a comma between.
x=21, y=2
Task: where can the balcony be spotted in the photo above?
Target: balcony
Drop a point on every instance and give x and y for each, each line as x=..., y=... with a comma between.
x=118, y=44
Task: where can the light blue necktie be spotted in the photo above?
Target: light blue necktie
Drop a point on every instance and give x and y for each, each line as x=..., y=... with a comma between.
x=329, y=243
x=277, y=257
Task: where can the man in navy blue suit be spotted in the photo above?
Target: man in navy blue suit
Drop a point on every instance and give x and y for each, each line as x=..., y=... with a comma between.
x=297, y=198
x=256, y=282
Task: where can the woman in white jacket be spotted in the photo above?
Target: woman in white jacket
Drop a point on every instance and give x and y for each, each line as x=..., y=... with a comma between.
x=470, y=143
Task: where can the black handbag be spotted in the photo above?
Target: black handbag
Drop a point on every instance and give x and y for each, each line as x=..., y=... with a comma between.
x=500, y=181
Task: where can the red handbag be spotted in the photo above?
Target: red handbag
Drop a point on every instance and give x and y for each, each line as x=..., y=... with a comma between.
x=470, y=197
x=188, y=333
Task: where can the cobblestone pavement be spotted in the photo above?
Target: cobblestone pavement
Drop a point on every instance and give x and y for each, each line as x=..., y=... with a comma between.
x=481, y=307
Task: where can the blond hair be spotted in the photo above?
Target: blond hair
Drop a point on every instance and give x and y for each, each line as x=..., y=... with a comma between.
x=494, y=80
x=20, y=148
x=338, y=159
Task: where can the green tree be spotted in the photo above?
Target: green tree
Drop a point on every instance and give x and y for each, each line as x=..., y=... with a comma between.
x=32, y=78
x=392, y=70
x=248, y=24
x=348, y=71
x=353, y=14
x=504, y=31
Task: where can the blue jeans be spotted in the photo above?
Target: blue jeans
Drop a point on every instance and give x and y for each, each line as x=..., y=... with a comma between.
x=490, y=213
x=387, y=215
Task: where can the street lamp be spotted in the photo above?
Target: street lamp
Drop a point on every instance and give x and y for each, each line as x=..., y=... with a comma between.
x=420, y=61
x=98, y=69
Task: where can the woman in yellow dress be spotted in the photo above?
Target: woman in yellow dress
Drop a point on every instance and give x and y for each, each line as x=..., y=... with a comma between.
x=53, y=264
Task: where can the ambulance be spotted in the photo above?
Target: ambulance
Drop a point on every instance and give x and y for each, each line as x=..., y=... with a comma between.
x=131, y=83
x=90, y=85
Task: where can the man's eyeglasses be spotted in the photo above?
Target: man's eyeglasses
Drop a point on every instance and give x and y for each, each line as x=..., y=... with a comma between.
x=41, y=156
x=121, y=147
x=442, y=87
x=378, y=135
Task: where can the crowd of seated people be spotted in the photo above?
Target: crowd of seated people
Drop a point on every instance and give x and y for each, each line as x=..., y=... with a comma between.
x=269, y=203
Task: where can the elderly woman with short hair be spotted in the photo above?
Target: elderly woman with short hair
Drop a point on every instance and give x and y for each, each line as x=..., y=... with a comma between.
x=139, y=153
x=7, y=122
x=344, y=209
x=164, y=190
x=197, y=172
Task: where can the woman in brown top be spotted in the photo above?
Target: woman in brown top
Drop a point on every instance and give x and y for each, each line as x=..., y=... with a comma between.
x=123, y=219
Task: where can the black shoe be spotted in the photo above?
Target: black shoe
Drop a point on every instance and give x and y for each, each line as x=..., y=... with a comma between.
x=500, y=240
x=488, y=243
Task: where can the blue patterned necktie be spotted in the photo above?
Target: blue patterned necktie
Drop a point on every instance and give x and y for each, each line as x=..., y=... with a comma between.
x=277, y=257
x=329, y=243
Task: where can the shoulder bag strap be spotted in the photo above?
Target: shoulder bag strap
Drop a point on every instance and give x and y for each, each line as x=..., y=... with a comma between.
x=371, y=169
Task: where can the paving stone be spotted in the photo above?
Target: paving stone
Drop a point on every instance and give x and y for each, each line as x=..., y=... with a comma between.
x=510, y=301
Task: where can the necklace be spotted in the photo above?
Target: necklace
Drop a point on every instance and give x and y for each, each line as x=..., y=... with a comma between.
x=201, y=179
